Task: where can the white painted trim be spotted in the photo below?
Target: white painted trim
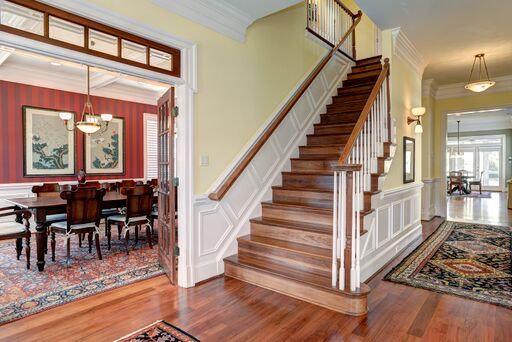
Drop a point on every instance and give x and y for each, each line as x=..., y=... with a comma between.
x=405, y=50
x=186, y=87
x=455, y=90
x=394, y=191
x=217, y=15
x=147, y=117
x=429, y=87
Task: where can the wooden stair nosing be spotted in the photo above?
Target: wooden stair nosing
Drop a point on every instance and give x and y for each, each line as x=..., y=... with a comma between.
x=294, y=247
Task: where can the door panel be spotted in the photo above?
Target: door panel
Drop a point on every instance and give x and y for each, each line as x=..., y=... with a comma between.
x=166, y=190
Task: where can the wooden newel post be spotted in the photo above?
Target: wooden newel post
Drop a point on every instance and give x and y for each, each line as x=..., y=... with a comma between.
x=347, y=248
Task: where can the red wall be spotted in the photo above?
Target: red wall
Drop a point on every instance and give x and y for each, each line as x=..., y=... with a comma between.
x=15, y=95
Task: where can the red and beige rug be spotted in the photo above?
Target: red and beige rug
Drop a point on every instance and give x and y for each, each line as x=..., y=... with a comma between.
x=463, y=259
x=160, y=331
x=25, y=292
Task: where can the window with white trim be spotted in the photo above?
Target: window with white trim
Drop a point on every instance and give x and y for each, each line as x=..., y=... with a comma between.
x=150, y=146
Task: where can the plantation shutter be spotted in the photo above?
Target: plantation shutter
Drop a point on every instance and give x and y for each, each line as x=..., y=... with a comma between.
x=151, y=147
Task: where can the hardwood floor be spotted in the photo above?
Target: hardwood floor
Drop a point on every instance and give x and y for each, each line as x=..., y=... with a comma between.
x=226, y=309
x=486, y=210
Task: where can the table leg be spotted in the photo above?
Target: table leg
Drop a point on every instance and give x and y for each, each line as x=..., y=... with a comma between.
x=41, y=237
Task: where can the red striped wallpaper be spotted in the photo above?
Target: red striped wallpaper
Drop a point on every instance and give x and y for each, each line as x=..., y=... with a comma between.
x=15, y=95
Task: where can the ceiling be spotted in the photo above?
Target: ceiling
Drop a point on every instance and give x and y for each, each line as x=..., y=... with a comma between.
x=486, y=120
x=29, y=68
x=449, y=33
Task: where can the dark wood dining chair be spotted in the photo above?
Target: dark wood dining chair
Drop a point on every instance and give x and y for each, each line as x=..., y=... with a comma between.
x=127, y=183
x=83, y=217
x=455, y=180
x=139, y=205
x=17, y=230
x=477, y=182
x=50, y=190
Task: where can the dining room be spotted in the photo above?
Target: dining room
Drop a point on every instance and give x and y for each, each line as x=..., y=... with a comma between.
x=87, y=187
x=478, y=163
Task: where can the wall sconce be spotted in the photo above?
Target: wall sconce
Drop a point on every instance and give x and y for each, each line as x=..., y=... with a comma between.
x=418, y=113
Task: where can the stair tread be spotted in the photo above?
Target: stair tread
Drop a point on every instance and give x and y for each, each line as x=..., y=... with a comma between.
x=301, y=189
x=282, y=271
x=287, y=245
x=310, y=227
x=297, y=206
x=326, y=134
x=310, y=173
x=344, y=124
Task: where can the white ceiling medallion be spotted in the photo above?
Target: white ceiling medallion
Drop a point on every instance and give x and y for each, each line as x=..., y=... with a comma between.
x=405, y=50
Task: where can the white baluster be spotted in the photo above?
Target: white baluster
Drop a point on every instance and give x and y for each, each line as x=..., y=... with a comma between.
x=343, y=227
x=358, y=231
x=335, y=211
x=352, y=237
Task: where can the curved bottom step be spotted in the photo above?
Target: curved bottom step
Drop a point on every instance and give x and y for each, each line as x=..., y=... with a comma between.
x=350, y=303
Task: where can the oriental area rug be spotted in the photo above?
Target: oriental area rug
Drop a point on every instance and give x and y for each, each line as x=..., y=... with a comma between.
x=160, y=331
x=25, y=292
x=464, y=259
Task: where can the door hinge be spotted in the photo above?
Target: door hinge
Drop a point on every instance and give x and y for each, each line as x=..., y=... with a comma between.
x=176, y=251
x=175, y=111
x=175, y=181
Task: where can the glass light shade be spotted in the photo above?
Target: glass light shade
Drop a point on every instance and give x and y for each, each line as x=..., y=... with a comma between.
x=478, y=87
x=65, y=116
x=88, y=126
x=418, y=129
x=419, y=111
x=106, y=117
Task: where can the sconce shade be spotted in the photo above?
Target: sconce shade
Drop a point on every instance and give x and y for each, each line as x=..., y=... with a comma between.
x=106, y=117
x=65, y=116
x=419, y=111
x=418, y=129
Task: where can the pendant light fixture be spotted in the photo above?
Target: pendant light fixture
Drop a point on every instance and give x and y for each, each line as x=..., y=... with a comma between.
x=89, y=122
x=484, y=82
x=458, y=154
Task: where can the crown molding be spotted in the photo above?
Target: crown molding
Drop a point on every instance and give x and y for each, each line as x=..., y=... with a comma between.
x=429, y=87
x=454, y=90
x=406, y=51
x=217, y=15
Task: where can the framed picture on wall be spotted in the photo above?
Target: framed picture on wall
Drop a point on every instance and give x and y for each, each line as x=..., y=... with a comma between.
x=409, y=158
x=104, y=150
x=48, y=146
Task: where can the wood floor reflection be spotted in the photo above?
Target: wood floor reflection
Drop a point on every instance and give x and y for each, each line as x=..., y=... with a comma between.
x=485, y=210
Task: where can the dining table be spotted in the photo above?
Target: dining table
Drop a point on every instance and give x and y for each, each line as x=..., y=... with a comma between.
x=465, y=187
x=41, y=207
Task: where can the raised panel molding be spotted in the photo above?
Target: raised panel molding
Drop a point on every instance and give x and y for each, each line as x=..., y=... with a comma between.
x=228, y=219
x=388, y=230
x=211, y=239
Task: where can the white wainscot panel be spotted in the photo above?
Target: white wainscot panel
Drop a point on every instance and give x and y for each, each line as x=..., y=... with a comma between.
x=265, y=161
x=331, y=70
x=286, y=133
x=382, y=225
x=214, y=226
x=397, y=217
x=241, y=195
x=302, y=110
x=407, y=212
x=317, y=89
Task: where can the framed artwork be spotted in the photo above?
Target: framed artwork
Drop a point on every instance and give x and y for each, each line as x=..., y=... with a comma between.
x=104, y=150
x=48, y=147
x=409, y=158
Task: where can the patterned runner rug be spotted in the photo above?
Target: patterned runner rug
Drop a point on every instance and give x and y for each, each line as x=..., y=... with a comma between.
x=25, y=292
x=463, y=259
x=160, y=331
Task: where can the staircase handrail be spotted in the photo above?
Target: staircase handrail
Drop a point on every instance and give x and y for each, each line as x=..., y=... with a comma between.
x=228, y=182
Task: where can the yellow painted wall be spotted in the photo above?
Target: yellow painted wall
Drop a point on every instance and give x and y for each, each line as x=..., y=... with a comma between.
x=240, y=84
x=428, y=152
x=473, y=102
x=405, y=95
x=365, y=33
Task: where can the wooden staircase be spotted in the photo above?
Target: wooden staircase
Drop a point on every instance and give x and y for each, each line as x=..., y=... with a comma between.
x=290, y=246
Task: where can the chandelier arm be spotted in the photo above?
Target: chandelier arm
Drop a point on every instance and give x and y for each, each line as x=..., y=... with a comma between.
x=486, y=71
x=472, y=69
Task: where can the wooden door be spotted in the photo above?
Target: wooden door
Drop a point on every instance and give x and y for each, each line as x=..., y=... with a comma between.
x=167, y=230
